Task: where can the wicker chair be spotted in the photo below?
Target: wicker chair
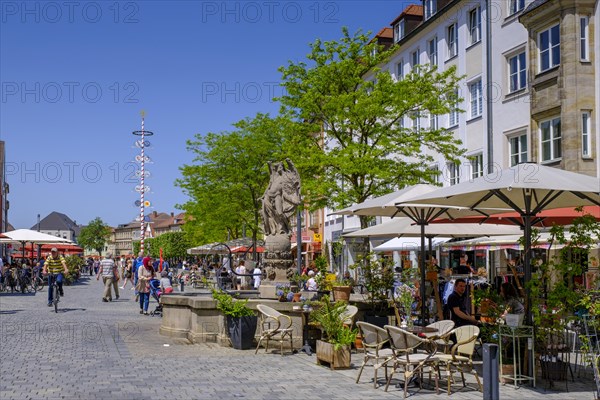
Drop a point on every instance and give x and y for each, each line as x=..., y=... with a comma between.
x=274, y=326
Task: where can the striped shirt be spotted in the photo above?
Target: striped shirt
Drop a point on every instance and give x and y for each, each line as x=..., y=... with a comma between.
x=106, y=267
x=54, y=265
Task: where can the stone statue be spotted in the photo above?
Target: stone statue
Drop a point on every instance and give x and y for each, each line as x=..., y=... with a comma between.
x=279, y=203
x=281, y=198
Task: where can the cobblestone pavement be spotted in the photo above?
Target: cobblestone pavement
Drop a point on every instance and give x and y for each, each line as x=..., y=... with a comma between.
x=96, y=350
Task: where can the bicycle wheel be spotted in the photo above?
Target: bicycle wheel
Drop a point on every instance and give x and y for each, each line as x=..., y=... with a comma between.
x=55, y=297
x=38, y=284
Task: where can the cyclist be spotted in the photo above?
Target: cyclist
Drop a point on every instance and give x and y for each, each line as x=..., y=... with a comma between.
x=55, y=264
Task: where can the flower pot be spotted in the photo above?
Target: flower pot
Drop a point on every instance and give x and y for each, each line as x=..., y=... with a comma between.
x=358, y=341
x=336, y=359
x=241, y=331
x=341, y=293
x=297, y=297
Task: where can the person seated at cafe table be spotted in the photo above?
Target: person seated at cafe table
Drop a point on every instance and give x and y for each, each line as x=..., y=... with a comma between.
x=311, y=283
x=457, y=305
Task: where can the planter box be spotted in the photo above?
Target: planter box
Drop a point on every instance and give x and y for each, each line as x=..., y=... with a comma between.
x=341, y=293
x=241, y=331
x=336, y=359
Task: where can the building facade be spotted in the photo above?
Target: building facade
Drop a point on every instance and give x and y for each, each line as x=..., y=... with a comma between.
x=529, y=91
x=158, y=224
x=564, y=83
x=59, y=225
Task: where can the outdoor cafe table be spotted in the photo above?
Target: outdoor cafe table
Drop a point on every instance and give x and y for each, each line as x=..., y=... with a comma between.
x=307, y=337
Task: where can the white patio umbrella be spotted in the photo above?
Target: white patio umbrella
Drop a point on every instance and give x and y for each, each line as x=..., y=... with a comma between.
x=24, y=236
x=422, y=216
x=405, y=227
x=525, y=188
x=385, y=205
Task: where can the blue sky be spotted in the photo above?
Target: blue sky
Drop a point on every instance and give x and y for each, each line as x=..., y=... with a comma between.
x=74, y=79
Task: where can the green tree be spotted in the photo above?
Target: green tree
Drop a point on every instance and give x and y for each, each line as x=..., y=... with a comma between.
x=363, y=149
x=95, y=235
x=228, y=178
x=173, y=244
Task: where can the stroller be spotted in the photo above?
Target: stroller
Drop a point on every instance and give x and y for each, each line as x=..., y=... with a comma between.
x=155, y=293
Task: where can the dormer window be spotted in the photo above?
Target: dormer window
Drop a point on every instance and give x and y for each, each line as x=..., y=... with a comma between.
x=399, y=30
x=430, y=8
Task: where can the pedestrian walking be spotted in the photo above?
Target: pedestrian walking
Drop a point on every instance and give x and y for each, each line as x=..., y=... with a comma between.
x=145, y=273
x=108, y=270
x=128, y=274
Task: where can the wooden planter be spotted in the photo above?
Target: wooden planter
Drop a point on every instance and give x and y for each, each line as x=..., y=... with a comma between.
x=341, y=293
x=335, y=359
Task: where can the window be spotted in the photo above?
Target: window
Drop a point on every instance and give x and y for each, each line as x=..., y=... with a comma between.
x=400, y=70
x=434, y=173
x=453, y=115
x=476, y=100
x=399, y=30
x=416, y=121
x=514, y=6
x=549, y=47
x=477, y=165
x=583, y=39
x=518, y=72
x=551, y=139
x=433, y=122
x=474, y=25
x=432, y=51
x=414, y=59
x=453, y=173
x=452, y=40
x=517, y=152
x=586, y=135
x=430, y=8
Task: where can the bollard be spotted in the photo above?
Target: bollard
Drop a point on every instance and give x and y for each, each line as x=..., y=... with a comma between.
x=181, y=284
x=491, y=387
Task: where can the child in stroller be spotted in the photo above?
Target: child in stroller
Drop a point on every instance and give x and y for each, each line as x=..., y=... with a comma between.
x=155, y=293
x=157, y=288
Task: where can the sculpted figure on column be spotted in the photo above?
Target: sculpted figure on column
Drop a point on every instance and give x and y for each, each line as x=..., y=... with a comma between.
x=281, y=198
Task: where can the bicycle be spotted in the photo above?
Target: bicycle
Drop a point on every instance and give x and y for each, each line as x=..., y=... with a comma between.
x=37, y=283
x=55, y=292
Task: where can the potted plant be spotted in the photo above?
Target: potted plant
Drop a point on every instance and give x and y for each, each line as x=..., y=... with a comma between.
x=321, y=277
x=556, y=295
x=341, y=289
x=379, y=283
x=334, y=347
x=240, y=319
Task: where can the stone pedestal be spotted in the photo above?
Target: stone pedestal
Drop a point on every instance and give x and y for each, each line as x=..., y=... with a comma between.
x=277, y=262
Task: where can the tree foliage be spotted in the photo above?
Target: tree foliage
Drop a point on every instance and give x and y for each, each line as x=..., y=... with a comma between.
x=173, y=245
x=95, y=235
x=228, y=177
x=363, y=148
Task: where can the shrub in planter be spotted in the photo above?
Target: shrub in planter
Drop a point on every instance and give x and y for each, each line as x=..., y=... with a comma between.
x=337, y=338
x=241, y=320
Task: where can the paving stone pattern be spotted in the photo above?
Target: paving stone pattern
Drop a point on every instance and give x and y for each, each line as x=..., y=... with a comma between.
x=96, y=350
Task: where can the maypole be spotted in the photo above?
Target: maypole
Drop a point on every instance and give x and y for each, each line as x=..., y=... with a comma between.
x=142, y=174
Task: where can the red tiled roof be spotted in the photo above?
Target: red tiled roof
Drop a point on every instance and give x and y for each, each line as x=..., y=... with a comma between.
x=386, y=33
x=413, y=9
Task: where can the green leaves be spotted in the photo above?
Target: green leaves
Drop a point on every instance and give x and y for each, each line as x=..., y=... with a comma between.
x=94, y=235
x=228, y=177
x=228, y=306
x=349, y=139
